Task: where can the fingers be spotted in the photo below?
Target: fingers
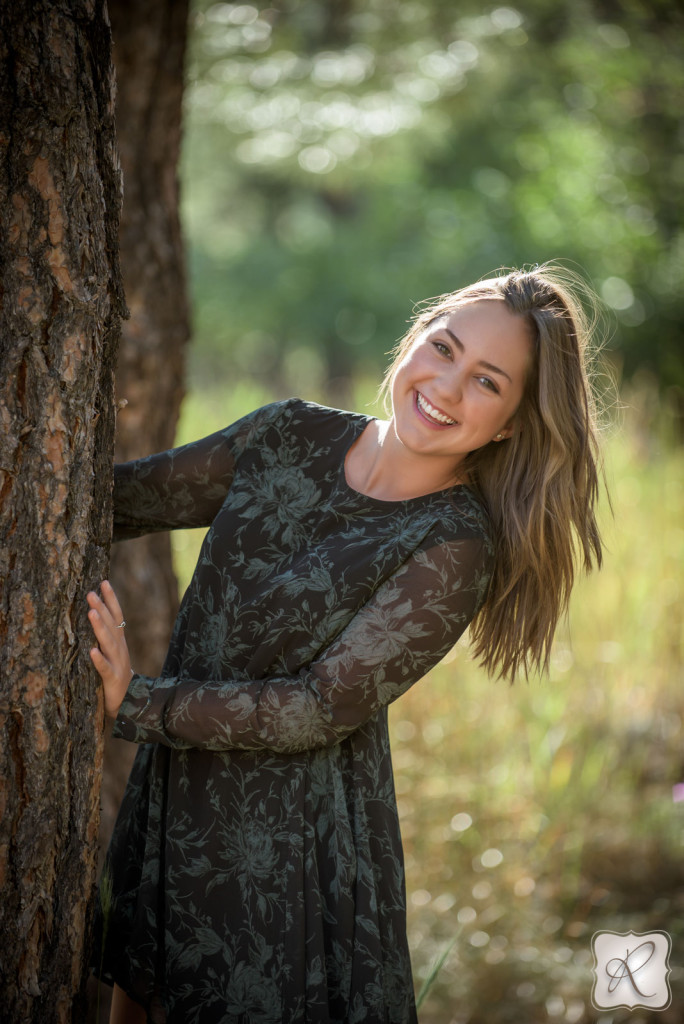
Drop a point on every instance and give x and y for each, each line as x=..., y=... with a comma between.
x=110, y=657
x=108, y=605
x=111, y=601
x=105, y=617
x=114, y=684
x=101, y=664
x=104, y=632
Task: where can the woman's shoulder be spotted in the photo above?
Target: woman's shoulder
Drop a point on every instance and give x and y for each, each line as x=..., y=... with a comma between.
x=325, y=428
x=304, y=410
x=294, y=411
x=288, y=424
x=462, y=514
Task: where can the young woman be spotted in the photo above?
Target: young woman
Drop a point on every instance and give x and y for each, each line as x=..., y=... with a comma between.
x=256, y=865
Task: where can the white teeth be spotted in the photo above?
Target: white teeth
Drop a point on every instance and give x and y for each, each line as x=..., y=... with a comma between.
x=433, y=413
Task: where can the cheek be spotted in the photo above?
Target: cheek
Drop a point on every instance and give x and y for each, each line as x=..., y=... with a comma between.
x=402, y=376
x=412, y=364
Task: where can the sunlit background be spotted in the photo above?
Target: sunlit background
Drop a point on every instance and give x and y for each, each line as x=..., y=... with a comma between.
x=343, y=161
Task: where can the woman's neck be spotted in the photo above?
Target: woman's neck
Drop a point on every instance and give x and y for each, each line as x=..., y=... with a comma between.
x=380, y=466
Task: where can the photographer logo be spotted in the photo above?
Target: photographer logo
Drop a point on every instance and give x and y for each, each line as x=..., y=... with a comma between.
x=631, y=970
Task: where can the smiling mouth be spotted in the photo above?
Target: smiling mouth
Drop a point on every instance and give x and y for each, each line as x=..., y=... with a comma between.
x=433, y=414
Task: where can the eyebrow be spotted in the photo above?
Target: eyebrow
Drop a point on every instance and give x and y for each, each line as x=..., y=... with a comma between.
x=461, y=347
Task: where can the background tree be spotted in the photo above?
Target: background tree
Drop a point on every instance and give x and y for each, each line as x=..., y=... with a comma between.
x=149, y=47
x=61, y=304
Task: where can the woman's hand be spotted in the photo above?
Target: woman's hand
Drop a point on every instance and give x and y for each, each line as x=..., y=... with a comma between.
x=111, y=657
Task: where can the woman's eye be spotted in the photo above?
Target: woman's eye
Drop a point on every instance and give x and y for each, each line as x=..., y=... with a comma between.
x=489, y=383
x=443, y=349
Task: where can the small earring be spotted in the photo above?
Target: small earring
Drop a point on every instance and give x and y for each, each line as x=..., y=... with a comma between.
x=498, y=437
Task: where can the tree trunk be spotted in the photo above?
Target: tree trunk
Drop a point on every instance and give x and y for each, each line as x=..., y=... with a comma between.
x=61, y=303
x=149, y=49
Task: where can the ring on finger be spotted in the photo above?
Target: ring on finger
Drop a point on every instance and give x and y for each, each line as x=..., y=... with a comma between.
x=121, y=624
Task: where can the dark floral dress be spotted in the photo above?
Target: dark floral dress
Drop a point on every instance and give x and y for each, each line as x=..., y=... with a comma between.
x=256, y=863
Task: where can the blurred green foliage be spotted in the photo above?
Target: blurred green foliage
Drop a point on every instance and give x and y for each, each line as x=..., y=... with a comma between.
x=344, y=160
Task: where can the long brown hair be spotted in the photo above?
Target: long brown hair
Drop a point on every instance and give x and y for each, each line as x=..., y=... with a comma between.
x=539, y=487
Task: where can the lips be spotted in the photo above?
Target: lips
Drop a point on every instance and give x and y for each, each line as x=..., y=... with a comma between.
x=433, y=415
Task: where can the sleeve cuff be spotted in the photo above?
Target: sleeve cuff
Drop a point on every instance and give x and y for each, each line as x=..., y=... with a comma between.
x=133, y=720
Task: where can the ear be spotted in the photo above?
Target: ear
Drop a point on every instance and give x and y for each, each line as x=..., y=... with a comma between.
x=506, y=431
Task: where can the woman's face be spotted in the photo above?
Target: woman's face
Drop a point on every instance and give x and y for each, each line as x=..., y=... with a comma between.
x=462, y=380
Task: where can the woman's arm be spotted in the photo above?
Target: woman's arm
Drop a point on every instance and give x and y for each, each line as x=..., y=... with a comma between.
x=186, y=486
x=409, y=624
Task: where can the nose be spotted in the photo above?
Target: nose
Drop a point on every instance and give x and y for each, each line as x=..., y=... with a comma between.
x=451, y=387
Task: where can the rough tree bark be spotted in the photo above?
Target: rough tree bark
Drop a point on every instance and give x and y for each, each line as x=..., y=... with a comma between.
x=61, y=303
x=149, y=50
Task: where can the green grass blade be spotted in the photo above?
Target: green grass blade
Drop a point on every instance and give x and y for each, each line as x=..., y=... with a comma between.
x=435, y=969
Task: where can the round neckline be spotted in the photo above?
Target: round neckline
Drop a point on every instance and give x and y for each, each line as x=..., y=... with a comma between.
x=361, y=421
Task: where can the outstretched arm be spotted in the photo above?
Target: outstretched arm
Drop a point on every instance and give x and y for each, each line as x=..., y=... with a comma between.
x=409, y=624
x=186, y=486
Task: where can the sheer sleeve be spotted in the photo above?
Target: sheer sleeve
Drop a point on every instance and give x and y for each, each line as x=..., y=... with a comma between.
x=409, y=624
x=182, y=487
